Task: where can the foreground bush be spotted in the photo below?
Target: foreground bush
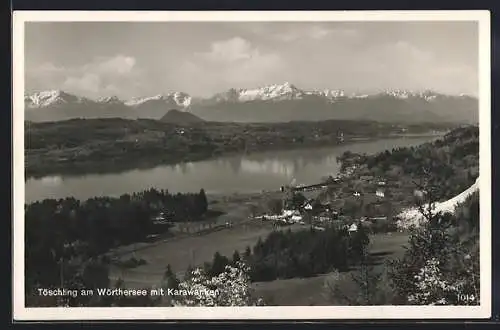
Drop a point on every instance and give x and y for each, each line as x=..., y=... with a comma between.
x=230, y=288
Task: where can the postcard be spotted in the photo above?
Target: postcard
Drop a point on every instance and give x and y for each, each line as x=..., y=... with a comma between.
x=234, y=165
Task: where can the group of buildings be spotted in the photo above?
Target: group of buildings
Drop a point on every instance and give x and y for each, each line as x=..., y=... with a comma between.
x=323, y=215
x=319, y=216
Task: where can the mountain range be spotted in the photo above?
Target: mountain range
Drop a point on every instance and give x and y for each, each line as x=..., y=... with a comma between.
x=272, y=103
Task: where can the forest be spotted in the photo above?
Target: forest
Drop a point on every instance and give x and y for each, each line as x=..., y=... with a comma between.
x=451, y=163
x=66, y=229
x=305, y=253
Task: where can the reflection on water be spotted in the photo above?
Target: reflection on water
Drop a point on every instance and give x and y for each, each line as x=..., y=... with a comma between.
x=282, y=167
x=52, y=180
x=248, y=173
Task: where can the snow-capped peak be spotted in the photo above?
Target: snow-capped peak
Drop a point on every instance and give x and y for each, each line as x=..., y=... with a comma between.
x=49, y=98
x=110, y=100
x=327, y=93
x=285, y=91
x=182, y=99
x=140, y=100
x=179, y=98
x=275, y=91
x=428, y=95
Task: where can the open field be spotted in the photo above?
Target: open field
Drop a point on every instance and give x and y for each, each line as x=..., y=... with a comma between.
x=185, y=250
x=311, y=291
x=193, y=250
x=182, y=252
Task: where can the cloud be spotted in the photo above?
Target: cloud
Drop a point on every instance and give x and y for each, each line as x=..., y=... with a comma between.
x=315, y=32
x=99, y=77
x=118, y=65
x=46, y=69
x=231, y=50
x=233, y=62
x=406, y=50
x=89, y=82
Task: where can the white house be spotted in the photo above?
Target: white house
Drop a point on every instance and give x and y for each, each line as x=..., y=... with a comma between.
x=160, y=219
x=356, y=194
x=380, y=193
x=323, y=219
x=353, y=228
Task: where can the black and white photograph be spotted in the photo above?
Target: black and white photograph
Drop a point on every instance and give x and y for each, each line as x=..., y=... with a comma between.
x=295, y=165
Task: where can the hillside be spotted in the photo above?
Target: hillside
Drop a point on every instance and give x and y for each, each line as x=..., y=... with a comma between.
x=272, y=103
x=447, y=167
x=180, y=117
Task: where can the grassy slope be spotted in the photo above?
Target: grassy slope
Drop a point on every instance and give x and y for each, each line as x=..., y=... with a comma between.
x=311, y=291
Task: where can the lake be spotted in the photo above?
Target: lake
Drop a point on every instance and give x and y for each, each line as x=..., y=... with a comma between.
x=223, y=175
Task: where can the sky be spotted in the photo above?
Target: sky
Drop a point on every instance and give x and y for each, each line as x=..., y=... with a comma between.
x=134, y=59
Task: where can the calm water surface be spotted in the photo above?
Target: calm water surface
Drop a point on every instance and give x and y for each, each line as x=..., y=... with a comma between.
x=246, y=173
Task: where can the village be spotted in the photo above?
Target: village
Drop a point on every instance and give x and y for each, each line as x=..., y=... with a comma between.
x=306, y=205
x=342, y=202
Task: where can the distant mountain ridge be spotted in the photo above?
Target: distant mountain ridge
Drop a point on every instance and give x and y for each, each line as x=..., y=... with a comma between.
x=271, y=103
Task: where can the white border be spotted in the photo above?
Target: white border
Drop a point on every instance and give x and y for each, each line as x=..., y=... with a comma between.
x=20, y=313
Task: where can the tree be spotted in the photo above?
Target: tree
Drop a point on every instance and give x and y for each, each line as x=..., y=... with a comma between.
x=218, y=264
x=170, y=281
x=202, y=201
x=95, y=275
x=252, y=208
x=258, y=248
x=274, y=206
x=236, y=257
x=298, y=199
x=363, y=287
x=188, y=272
x=309, y=218
x=231, y=287
x=359, y=243
x=169, y=278
x=441, y=261
x=368, y=281
x=247, y=253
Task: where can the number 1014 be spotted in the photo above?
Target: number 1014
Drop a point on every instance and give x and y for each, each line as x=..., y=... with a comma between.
x=467, y=298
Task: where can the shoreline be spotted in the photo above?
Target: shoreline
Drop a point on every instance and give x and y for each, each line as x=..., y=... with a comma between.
x=226, y=196
x=81, y=169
